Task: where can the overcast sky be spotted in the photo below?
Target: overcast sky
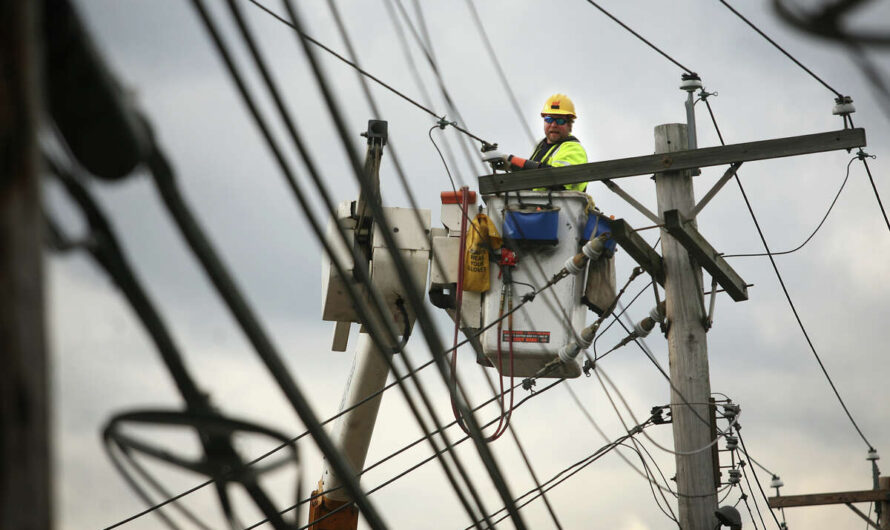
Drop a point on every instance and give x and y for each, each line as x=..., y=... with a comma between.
x=104, y=362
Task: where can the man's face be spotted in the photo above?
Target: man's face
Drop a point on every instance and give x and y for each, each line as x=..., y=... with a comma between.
x=555, y=132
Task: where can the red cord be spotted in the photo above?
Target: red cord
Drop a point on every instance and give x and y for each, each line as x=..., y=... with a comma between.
x=504, y=421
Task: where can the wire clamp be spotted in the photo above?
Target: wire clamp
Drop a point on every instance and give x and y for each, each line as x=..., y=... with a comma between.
x=529, y=384
x=862, y=155
x=588, y=367
x=442, y=123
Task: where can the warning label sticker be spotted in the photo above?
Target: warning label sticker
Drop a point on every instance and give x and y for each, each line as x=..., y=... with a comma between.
x=525, y=336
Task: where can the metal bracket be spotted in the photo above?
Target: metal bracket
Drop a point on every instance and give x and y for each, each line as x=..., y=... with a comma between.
x=617, y=190
x=713, y=191
x=702, y=251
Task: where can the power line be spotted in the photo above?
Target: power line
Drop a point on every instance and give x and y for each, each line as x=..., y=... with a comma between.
x=477, y=20
x=807, y=240
x=781, y=49
x=366, y=73
x=788, y=295
x=422, y=462
x=637, y=35
x=413, y=296
x=423, y=395
x=757, y=480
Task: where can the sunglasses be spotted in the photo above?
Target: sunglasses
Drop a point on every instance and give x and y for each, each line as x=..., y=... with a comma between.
x=559, y=121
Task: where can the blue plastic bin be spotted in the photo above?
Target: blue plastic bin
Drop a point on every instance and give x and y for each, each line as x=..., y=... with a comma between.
x=602, y=225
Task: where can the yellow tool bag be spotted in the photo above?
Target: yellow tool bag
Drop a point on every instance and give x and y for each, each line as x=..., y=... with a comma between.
x=482, y=237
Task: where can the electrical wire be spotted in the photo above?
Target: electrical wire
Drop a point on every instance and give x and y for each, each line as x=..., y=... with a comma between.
x=756, y=505
x=370, y=76
x=508, y=87
x=787, y=294
x=781, y=49
x=373, y=204
x=404, y=449
x=414, y=297
x=578, y=466
x=757, y=480
x=807, y=240
x=669, y=513
x=637, y=35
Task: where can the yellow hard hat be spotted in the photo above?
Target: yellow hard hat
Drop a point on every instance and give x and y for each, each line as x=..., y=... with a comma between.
x=559, y=104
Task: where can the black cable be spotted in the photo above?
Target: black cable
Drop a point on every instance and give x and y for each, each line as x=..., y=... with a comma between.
x=425, y=45
x=637, y=35
x=781, y=49
x=448, y=171
x=596, y=356
x=877, y=196
x=405, y=448
x=415, y=298
x=824, y=218
x=756, y=505
x=670, y=515
x=108, y=253
x=365, y=73
x=757, y=480
x=788, y=295
x=477, y=20
x=580, y=465
x=379, y=343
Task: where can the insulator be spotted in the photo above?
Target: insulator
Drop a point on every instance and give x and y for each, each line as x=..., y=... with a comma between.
x=657, y=313
x=690, y=82
x=568, y=352
x=730, y=411
x=594, y=248
x=776, y=482
x=873, y=455
x=571, y=267
x=735, y=476
x=843, y=106
x=732, y=443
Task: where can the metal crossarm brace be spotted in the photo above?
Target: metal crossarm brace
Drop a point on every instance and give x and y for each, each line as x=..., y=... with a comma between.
x=678, y=160
x=638, y=249
x=699, y=248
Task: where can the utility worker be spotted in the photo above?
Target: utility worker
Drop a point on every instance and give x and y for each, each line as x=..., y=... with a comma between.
x=558, y=148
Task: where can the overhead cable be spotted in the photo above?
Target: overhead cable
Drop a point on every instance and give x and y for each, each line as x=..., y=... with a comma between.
x=414, y=297
x=637, y=35
x=368, y=74
x=375, y=336
x=477, y=20
x=788, y=297
x=416, y=466
x=807, y=240
x=781, y=49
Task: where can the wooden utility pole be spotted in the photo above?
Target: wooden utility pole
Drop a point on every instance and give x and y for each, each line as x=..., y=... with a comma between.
x=687, y=346
x=25, y=499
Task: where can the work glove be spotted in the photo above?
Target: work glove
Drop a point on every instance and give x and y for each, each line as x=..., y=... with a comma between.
x=496, y=159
